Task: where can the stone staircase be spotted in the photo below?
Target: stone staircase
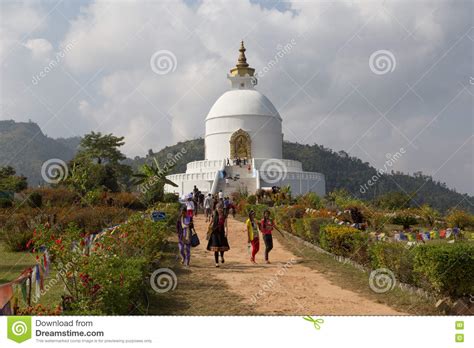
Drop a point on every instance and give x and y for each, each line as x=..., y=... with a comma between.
x=245, y=180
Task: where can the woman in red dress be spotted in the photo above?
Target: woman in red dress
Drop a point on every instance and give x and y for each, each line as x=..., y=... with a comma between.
x=218, y=239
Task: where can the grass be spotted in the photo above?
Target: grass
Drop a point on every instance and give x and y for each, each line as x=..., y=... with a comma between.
x=12, y=264
x=350, y=278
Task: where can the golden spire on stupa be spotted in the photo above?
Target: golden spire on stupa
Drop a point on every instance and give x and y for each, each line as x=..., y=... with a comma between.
x=242, y=67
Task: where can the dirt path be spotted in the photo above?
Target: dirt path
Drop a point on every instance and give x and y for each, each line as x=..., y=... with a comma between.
x=284, y=287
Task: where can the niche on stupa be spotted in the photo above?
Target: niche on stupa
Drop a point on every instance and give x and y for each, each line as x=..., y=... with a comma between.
x=240, y=145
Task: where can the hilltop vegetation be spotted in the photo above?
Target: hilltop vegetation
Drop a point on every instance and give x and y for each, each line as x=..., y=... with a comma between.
x=24, y=147
x=342, y=172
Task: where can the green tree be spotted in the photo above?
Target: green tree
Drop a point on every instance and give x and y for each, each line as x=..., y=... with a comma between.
x=393, y=200
x=152, y=179
x=9, y=181
x=428, y=214
x=377, y=220
x=343, y=199
x=100, y=157
x=406, y=218
x=102, y=148
x=460, y=218
x=84, y=176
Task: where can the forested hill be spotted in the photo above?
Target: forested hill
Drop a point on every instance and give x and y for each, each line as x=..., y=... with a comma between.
x=25, y=147
x=341, y=171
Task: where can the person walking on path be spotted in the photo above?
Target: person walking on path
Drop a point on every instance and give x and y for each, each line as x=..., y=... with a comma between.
x=226, y=206
x=184, y=229
x=208, y=205
x=253, y=237
x=218, y=242
x=215, y=202
x=266, y=227
x=190, y=207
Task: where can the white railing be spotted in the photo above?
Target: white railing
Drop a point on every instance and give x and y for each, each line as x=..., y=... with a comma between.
x=204, y=165
x=191, y=177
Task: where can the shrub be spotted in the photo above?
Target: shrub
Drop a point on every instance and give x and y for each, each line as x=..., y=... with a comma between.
x=241, y=206
x=110, y=277
x=394, y=256
x=16, y=239
x=258, y=208
x=406, y=218
x=284, y=215
x=312, y=227
x=17, y=227
x=5, y=203
x=236, y=196
x=345, y=241
x=35, y=199
x=323, y=213
x=119, y=283
x=167, y=207
x=310, y=200
x=124, y=200
x=460, y=218
x=252, y=199
x=377, y=220
x=298, y=228
x=91, y=219
x=56, y=197
x=93, y=197
x=171, y=210
x=445, y=268
x=170, y=198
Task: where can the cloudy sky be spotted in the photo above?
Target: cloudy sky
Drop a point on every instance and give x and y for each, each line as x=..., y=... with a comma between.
x=368, y=77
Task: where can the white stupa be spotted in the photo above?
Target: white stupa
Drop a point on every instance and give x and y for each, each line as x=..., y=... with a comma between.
x=244, y=124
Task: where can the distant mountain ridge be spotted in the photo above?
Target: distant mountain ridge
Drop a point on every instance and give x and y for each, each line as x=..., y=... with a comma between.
x=24, y=146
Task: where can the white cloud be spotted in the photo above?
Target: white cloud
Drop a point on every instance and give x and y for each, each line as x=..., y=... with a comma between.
x=40, y=48
x=113, y=43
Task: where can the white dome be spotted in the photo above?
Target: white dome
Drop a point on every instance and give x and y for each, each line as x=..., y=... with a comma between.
x=243, y=102
x=246, y=110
